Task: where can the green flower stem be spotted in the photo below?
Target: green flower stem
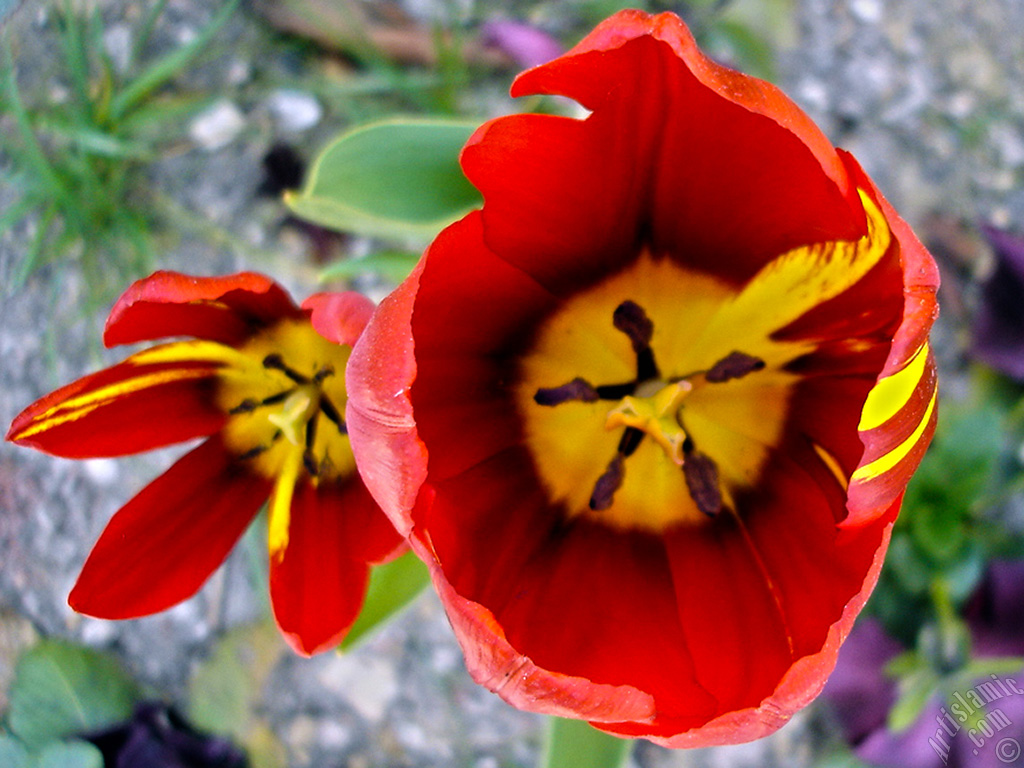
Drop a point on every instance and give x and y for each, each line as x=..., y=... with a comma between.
x=576, y=744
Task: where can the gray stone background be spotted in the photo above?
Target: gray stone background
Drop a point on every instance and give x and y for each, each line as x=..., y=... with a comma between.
x=928, y=94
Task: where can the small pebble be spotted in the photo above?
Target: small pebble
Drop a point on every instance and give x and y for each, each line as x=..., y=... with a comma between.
x=216, y=126
x=294, y=111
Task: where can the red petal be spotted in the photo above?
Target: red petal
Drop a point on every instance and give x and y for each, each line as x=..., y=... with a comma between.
x=339, y=317
x=225, y=309
x=576, y=599
x=124, y=409
x=161, y=546
x=678, y=150
x=318, y=584
x=389, y=454
x=495, y=664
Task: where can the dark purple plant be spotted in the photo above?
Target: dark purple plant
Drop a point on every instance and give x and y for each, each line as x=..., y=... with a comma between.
x=999, y=325
x=157, y=737
x=980, y=725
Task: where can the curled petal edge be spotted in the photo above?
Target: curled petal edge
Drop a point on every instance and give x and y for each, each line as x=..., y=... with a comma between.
x=339, y=317
x=894, y=448
x=175, y=304
x=751, y=93
x=391, y=458
x=493, y=662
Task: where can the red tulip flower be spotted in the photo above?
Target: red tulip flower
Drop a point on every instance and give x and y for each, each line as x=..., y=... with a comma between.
x=262, y=380
x=649, y=415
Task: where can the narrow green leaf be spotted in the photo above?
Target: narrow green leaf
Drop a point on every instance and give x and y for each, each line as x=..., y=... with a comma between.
x=12, y=753
x=76, y=55
x=98, y=143
x=32, y=151
x=391, y=265
x=163, y=69
x=15, y=212
x=31, y=258
x=392, y=587
x=75, y=754
x=60, y=690
x=396, y=178
x=576, y=744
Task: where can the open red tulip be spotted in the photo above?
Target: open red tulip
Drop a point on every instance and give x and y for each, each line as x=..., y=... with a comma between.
x=262, y=380
x=649, y=415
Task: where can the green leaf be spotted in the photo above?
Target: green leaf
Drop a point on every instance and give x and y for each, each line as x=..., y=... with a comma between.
x=76, y=754
x=12, y=753
x=61, y=689
x=915, y=690
x=391, y=265
x=396, y=178
x=225, y=690
x=576, y=744
x=392, y=587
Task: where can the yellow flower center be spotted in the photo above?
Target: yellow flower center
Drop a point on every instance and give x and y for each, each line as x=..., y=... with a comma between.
x=655, y=397
x=287, y=405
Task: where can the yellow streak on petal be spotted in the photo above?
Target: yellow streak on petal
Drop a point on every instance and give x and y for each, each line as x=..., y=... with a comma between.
x=789, y=287
x=832, y=464
x=281, y=503
x=75, y=408
x=887, y=461
x=893, y=392
x=195, y=351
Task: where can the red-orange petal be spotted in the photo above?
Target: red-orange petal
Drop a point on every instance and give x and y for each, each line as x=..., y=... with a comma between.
x=127, y=408
x=317, y=582
x=339, y=317
x=225, y=309
x=161, y=546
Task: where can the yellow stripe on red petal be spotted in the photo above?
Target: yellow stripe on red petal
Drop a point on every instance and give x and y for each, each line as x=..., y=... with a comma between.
x=892, y=393
x=789, y=287
x=80, y=406
x=280, y=506
x=890, y=460
x=893, y=449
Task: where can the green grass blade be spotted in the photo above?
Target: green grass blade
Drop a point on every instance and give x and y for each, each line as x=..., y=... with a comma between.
x=32, y=151
x=163, y=69
x=31, y=259
x=76, y=55
x=16, y=212
x=146, y=30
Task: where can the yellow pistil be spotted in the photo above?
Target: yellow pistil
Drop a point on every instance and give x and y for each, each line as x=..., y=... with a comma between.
x=658, y=415
x=295, y=413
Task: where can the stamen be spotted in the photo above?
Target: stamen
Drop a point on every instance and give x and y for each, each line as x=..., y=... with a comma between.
x=323, y=373
x=328, y=409
x=275, y=362
x=252, y=453
x=577, y=389
x=735, y=365
x=246, y=406
x=309, y=462
x=630, y=440
x=630, y=318
x=607, y=484
x=701, y=474
x=616, y=391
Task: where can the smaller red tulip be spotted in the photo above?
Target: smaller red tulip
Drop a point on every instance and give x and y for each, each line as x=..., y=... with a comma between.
x=263, y=381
